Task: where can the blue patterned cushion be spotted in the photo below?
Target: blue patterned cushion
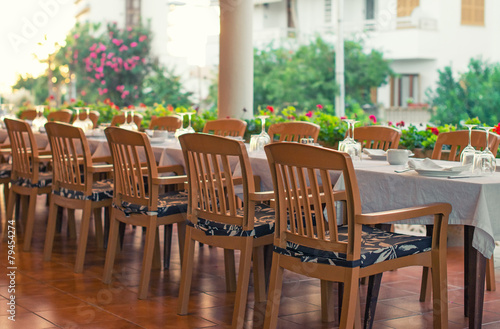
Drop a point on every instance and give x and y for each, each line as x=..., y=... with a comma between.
x=44, y=179
x=263, y=224
x=376, y=246
x=101, y=190
x=5, y=170
x=170, y=203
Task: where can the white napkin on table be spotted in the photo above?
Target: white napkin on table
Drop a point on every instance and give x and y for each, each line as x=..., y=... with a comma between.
x=374, y=152
x=428, y=164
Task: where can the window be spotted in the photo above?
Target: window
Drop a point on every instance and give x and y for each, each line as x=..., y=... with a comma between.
x=404, y=88
x=473, y=12
x=405, y=7
x=290, y=14
x=328, y=11
x=370, y=9
x=132, y=12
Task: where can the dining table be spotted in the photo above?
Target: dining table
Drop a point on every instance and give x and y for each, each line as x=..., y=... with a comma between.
x=474, y=199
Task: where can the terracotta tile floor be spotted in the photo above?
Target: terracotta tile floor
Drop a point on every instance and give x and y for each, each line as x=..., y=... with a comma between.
x=51, y=295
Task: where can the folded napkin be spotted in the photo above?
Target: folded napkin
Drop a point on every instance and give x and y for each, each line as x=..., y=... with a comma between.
x=374, y=152
x=428, y=164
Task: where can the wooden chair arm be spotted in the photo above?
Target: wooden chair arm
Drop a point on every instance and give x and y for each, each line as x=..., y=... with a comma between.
x=261, y=196
x=101, y=168
x=168, y=180
x=405, y=213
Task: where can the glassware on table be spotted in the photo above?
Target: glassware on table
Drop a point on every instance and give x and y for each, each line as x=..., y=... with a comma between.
x=78, y=122
x=125, y=124
x=39, y=121
x=484, y=161
x=349, y=144
x=467, y=154
x=181, y=130
x=132, y=124
x=257, y=142
x=190, y=129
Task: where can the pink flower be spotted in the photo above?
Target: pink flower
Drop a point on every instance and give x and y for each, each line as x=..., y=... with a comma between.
x=400, y=124
x=99, y=69
x=125, y=93
x=373, y=118
x=125, y=66
x=92, y=48
x=83, y=92
x=133, y=44
x=122, y=48
x=390, y=123
x=102, y=47
x=135, y=87
x=103, y=82
x=76, y=36
x=97, y=76
x=129, y=29
x=105, y=90
x=343, y=118
x=111, y=55
x=120, y=88
x=309, y=114
x=319, y=107
x=117, y=42
x=142, y=38
x=93, y=55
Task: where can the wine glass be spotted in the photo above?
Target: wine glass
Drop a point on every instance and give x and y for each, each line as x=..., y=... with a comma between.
x=190, y=129
x=181, y=130
x=79, y=123
x=132, y=124
x=352, y=147
x=89, y=125
x=347, y=140
x=40, y=120
x=125, y=124
x=257, y=142
x=467, y=154
x=484, y=161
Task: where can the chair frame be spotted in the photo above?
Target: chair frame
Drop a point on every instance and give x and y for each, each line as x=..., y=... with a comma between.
x=226, y=127
x=199, y=150
x=120, y=119
x=74, y=169
x=458, y=140
x=94, y=116
x=60, y=116
x=168, y=123
x=293, y=131
x=377, y=137
x=125, y=147
x=308, y=163
x=29, y=114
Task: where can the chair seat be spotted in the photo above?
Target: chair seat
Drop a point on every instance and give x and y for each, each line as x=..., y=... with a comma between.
x=376, y=246
x=101, y=190
x=5, y=170
x=170, y=203
x=44, y=179
x=263, y=224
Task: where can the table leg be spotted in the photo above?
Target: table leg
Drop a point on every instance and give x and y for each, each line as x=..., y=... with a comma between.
x=475, y=271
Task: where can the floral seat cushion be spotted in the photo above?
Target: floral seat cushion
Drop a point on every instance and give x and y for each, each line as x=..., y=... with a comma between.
x=5, y=170
x=170, y=203
x=44, y=179
x=376, y=246
x=263, y=224
x=101, y=190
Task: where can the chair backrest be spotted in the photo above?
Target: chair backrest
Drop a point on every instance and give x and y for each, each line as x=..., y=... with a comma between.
x=94, y=116
x=456, y=141
x=28, y=114
x=24, y=150
x=211, y=189
x=60, y=116
x=169, y=123
x=133, y=159
x=293, y=131
x=377, y=137
x=71, y=157
x=120, y=119
x=303, y=187
x=225, y=127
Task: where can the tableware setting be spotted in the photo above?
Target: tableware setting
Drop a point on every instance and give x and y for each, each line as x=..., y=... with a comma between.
x=349, y=144
x=257, y=142
x=427, y=167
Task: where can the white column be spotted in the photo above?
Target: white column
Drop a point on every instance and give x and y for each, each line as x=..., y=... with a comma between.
x=236, y=59
x=339, y=61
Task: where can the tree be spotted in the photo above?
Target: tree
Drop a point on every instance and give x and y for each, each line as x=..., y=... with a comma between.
x=467, y=95
x=163, y=86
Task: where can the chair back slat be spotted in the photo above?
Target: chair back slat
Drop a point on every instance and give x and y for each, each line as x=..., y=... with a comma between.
x=456, y=141
x=60, y=116
x=377, y=137
x=302, y=176
x=24, y=150
x=293, y=131
x=209, y=161
x=128, y=150
x=226, y=127
x=169, y=123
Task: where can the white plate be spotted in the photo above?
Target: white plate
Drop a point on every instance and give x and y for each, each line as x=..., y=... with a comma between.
x=437, y=173
x=378, y=157
x=157, y=140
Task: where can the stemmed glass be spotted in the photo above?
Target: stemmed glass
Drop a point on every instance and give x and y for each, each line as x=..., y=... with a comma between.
x=125, y=124
x=467, y=155
x=132, y=124
x=257, y=142
x=79, y=123
x=349, y=144
x=181, y=130
x=40, y=120
x=89, y=125
x=190, y=129
x=484, y=161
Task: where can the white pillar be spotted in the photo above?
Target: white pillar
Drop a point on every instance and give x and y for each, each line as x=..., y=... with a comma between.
x=339, y=61
x=236, y=59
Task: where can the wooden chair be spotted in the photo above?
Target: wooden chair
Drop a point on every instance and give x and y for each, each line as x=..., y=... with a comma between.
x=28, y=114
x=377, y=137
x=293, y=131
x=137, y=201
x=26, y=179
x=226, y=127
x=169, y=123
x=120, y=119
x=60, y=116
x=306, y=242
x=216, y=217
x=456, y=141
x=74, y=187
x=94, y=116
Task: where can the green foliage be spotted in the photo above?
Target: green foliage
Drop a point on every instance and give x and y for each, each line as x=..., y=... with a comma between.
x=163, y=86
x=38, y=87
x=466, y=95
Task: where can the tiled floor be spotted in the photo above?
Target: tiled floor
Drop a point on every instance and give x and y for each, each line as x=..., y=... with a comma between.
x=51, y=295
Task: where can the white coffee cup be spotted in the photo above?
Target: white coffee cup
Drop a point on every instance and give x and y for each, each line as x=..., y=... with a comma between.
x=397, y=157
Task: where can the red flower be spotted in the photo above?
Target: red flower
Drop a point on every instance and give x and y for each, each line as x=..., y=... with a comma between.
x=400, y=124
x=309, y=114
x=343, y=118
x=131, y=106
x=72, y=100
x=170, y=108
x=51, y=97
x=142, y=105
x=496, y=129
x=319, y=107
x=270, y=108
x=434, y=130
x=373, y=118
x=390, y=123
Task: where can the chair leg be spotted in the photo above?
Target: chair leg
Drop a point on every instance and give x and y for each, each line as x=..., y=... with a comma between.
x=111, y=251
x=274, y=294
x=371, y=299
x=10, y=212
x=167, y=245
x=327, y=297
x=147, y=260
x=259, y=281
x=425, y=285
x=350, y=299
x=98, y=227
x=186, y=274
x=230, y=268
x=51, y=230
x=30, y=221
x=71, y=222
x=181, y=237
x=82, y=240
x=439, y=289
x=156, y=264
x=242, y=287
x=490, y=274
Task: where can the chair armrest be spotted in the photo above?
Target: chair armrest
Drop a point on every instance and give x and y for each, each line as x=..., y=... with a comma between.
x=168, y=180
x=404, y=213
x=101, y=168
x=261, y=196
x=177, y=169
